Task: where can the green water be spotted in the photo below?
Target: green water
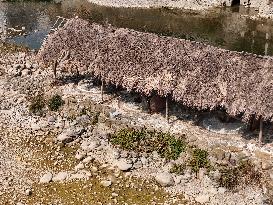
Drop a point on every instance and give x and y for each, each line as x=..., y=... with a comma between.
x=228, y=28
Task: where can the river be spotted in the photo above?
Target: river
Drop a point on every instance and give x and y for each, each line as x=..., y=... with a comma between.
x=28, y=23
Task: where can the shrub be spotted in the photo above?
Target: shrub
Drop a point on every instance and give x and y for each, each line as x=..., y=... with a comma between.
x=178, y=169
x=55, y=102
x=241, y=175
x=199, y=160
x=95, y=118
x=170, y=147
x=128, y=139
x=37, y=104
x=148, y=141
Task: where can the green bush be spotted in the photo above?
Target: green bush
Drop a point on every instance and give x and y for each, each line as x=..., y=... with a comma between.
x=178, y=169
x=170, y=147
x=128, y=139
x=148, y=141
x=199, y=160
x=55, y=102
x=37, y=104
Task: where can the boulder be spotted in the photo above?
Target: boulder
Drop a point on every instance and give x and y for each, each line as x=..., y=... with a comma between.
x=124, y=165
x=61, y=176
x=70, y=134
x=46, y=178
x=202, y=199
x=165, y=179
x=106, y=183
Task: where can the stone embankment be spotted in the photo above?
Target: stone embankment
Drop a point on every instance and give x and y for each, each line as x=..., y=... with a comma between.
x=65, y=152
x=264, y=7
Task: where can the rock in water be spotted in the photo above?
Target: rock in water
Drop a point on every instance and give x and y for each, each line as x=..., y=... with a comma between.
x=165, y=179
x=46, y=178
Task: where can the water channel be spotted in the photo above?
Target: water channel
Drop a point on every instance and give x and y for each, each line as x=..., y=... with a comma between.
x=28, y=23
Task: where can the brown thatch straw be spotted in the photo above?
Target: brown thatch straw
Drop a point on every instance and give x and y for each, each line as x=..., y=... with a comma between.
x=194, y=74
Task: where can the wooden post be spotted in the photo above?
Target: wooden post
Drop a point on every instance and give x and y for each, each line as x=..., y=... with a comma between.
x=167, y=109
x=261, y=131
x=54, y=67
x=101, y=90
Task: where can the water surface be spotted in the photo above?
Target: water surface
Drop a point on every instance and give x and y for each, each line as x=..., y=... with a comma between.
x=228, y=28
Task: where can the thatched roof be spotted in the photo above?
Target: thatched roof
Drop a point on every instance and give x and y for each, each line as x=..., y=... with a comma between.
x=192, y=73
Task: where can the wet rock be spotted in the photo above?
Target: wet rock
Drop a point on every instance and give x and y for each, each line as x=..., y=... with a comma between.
x=124, y=165
x=165, y=179
x=202, y=199
x=61, y=176
x=46, y=178
x=106, y=183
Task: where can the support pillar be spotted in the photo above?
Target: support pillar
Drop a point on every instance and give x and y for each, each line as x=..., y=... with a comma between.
x=167, y=109
x=101, y=90
x=261, y=132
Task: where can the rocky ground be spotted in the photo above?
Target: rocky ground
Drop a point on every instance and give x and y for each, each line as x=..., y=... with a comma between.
x=68, y=155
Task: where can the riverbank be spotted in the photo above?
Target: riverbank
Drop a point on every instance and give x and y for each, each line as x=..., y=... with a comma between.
x=68, y=148
x=265, y=10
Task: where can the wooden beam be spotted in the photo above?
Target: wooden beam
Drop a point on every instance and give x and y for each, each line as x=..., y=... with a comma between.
x=101, y=90
x=261, y=132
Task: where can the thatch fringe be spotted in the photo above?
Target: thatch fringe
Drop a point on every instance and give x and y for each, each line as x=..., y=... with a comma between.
x=194, y=74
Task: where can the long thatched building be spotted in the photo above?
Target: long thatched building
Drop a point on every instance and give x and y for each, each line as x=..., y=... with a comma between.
x=195, y=74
